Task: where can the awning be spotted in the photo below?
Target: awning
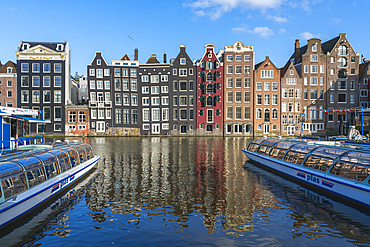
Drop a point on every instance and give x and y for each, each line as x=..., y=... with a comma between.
x=4, y=113
x=32, y=119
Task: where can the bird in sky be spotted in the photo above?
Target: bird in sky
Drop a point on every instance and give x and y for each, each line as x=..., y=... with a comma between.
x=130, y=37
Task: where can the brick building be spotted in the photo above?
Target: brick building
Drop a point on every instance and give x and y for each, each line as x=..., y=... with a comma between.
x=8, y=84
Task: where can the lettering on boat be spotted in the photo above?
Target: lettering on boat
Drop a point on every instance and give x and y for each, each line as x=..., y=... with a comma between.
x=312, y=178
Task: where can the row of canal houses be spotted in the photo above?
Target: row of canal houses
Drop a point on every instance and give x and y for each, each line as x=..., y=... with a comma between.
x=223, y=93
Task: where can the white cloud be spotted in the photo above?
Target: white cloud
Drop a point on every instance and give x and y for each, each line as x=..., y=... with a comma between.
x=282, y=30
x=308, y=35
x=277, y=19
x=242, y=29
x=262, y=31
x=335, y=21
x=216, y=8
x=200, y=13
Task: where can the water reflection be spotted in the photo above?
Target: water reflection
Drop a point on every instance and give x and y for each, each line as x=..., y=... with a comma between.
x=195, y=191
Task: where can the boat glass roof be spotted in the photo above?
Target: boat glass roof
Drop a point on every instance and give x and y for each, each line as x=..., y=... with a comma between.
x=302, y=148
x=9, y=168
x=328, y=152
x=28, y=161
x=284, y=145
x=269, y=143
x=47, y=158
x=59, y=153
x=257, y=140
x=357, y=157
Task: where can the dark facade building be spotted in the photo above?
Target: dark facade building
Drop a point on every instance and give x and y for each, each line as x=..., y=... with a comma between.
x=183, y=94
x=43, y=81
x=210, y=93
x=113, y=96
x=155, y=78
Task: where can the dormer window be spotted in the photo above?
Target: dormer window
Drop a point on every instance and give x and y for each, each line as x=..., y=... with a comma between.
x=98, y=62
x=238, y=48
x=59, y=47
x=314, y=47
x=9, y=70
x=25, y=46
x=182, y=61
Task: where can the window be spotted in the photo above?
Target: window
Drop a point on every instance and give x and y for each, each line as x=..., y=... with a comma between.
x=353, y=71
x=164, y=89
x=118, y=99
x=164, y=77
x=175, y=71
x=342, y=50
x=183, y=85
x=305, y=81
x=229, y=83
x=332, y=71
x=57, y=81
x=57, y=113
x=342, y=85
x=314, y=69
x=285, y=93
x=35, y=81
x=331, y=85
x=247, y=57
x=25, y=96
x=175, y=100
x=174, y=85
x=274, y=86
x=321, y=94
x=342, y=62
x=126, y=99
x=314, y=47
x=267, y=74
x=183, y=100
x=155, y=115
x=306, y=69
x=57, y=68
x=229, y=97
x=284, y=107
x=182, y=61
x=72, y=117
x=190, y=71
x=182, y=72
x=274, y=99
x=57, y=96
x=259, y=86
x=352, y=100
x=247, y=97
x=342, y=98
x=106, y=72
x=125, y=84
x=305, y=94
x=117, y=72
x=322, y=68
x=352, y=86
x=155, y=90
x=126, y=116
x=107, y=84
x=267, y=99
x=146, y=115
x=229, y=58
x=314, y=58
x=145, y=78
x=229, y=112
x=47, y=96
x=298, y=93
x=259, y=99
x=47, y=81
x=238, y=57
x=154, y=79
x=238, y=113
x=99, y=85
x=259, y=113
x=35, y=67
x=229, y=69
x=267, y=86
x=247, y=112
x=247, y=82
x=291, y=93
x=314, y=81
x=35, y=96
x=366, y=81
x=134, y=99
x=313, y=94
x=99, y=73
x=364, y=93
x=165, y=100
x=321, y=81
x=331, y=98
x=24, y=67
x=238, y=97
x=247, y=69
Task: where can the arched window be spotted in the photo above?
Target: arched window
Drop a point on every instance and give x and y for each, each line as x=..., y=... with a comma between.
x=175, y=127
x=267, y=115
x=274, y=127
x=274, y=113
x=342, y=62
x=209, y=88
x=314, y=47
x=342, y=73
x=342, y=50
x=209, y=76
x=209, y=65
x=259, y=113
x=209, y=101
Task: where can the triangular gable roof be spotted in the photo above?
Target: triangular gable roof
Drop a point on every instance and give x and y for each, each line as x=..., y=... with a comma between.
x=3, y=69
x=153, y=59
x=40, y=47
x=125, y=57
x=101, y=54
x=49, y=45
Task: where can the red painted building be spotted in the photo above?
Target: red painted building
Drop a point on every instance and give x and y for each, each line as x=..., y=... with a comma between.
x=209, y=93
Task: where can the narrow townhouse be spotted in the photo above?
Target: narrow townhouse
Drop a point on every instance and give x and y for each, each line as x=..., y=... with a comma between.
x=155, y=78
x=210, y=92
x=183, y=94
x=267, y=99
x=364, y=76
x=8, y=84
x=44, y=82
x=113, y=96
x=238, y=62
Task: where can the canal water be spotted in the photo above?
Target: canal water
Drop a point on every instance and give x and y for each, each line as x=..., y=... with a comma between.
x=160, y=191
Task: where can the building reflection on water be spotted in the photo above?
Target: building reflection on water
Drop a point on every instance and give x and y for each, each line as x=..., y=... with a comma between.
x=182, y=179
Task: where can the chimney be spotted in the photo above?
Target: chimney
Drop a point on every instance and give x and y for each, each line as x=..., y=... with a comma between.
x=164, y=57
x=136, y=58
x=296, y=51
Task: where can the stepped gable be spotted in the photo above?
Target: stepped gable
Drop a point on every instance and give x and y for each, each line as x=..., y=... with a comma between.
x=153, y=59
x=3, y=69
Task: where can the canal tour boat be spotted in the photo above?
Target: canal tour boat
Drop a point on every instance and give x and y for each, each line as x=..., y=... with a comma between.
x=340, y=171
x=29, y=178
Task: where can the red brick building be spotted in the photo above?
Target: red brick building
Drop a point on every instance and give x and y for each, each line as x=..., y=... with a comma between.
x=77, y=120
x=209, y=93
x=8, y=84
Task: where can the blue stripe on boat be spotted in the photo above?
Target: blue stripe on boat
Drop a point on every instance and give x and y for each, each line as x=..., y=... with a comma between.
x=328, y=184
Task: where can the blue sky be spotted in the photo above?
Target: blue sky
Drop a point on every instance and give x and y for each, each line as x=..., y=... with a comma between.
x=271, y=26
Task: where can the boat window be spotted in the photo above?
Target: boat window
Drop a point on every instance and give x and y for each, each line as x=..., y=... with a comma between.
x=28, y=162
x=328, y=152
x=278, y=153
x=252, y=147
x=73, y=156
x=64, y=164
x=51, y=170
x=268, y=143
x=264, y=150
x=356, y=157
x=353, y=172
x=257, y=140
x=9, y=168
x=293, y=157
x=302, y=148
x=284, y=145
x=74, y=160
x=81, y=153
x=318, y=163
x=88, y=150
x=35, y=177
x=13, y=185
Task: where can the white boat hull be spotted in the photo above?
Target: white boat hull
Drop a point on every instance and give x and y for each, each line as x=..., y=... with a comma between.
x=344, y=188
x=27, y=201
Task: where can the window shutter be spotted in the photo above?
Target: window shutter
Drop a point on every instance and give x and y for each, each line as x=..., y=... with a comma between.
x=218, y=86
x=200, y=98
x=218, y=74
x=201, y=85
x=218, y=98
x=214, y=88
